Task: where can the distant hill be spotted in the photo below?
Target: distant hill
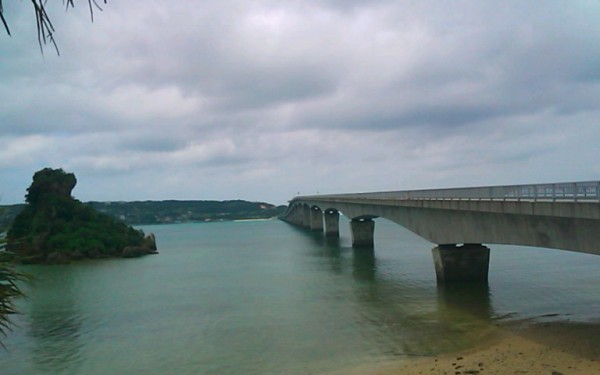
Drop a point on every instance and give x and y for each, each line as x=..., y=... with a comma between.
x=8, y=214
x=170, y=211
x=174, y=211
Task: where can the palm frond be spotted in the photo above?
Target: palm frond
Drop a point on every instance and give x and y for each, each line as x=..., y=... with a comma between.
x=45, y=29
x=9, y=291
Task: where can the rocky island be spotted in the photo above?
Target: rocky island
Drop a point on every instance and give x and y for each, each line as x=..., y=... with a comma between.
x=54, y=227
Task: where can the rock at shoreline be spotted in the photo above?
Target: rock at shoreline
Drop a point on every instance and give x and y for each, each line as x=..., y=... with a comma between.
x=148, y=247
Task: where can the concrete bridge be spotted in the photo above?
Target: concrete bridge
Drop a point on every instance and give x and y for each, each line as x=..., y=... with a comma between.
x=561, y=216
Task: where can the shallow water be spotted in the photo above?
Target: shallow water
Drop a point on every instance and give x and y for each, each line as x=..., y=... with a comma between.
x=263, y=297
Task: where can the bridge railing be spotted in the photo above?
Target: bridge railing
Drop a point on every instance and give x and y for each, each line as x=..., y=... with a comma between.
x=568, y=191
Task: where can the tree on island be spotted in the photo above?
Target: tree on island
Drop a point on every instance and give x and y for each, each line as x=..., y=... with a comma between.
x=8, y=275
x=56, y=228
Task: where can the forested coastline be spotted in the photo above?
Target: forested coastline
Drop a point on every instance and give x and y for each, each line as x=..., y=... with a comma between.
x=168, y=211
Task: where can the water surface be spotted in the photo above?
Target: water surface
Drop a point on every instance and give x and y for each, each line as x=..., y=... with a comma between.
x=263, y=297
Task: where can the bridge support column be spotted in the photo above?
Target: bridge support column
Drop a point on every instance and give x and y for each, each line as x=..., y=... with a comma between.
x=362, y=233
x=332, y=223
x=316, y=219
x=469, y=262
x=299, y=216
x=296, y=217
x=305, y=216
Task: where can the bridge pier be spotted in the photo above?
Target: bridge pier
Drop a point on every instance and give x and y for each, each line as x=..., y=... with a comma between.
x=332, y=223
x=297, y=217
x=293, y=217
x=305, y=216
x=362, y=233
x=469, y=262
x=316, y=219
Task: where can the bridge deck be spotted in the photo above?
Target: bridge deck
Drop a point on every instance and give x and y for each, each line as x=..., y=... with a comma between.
x=562, y=216
x=565, y=191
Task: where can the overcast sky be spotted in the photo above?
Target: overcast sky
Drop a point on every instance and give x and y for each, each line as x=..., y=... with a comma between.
x=262, y=100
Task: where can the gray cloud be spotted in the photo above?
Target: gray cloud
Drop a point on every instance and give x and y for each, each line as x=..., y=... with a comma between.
x=265, y=99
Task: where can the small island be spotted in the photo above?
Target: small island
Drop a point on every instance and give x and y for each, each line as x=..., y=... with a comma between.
x=54, y=227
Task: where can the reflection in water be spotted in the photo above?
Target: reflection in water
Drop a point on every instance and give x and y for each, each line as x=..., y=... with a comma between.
x=404, y=315
x=332, y=242
x=55, y=323
x=472, y=298
x=388, y=303
x=326, y=247
x=363, y=264
x=333, y=252
x=404, y=308
x=465, y=313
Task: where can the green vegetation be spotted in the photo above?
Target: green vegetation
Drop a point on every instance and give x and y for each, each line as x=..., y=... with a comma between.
x=53, y=227
x=165, y=212
x=172, y=211
x=9, y=288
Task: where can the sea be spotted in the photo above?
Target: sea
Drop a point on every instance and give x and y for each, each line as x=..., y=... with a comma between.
x=265, y=297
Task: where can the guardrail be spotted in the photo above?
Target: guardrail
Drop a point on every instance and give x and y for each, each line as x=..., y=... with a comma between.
x=567, y=191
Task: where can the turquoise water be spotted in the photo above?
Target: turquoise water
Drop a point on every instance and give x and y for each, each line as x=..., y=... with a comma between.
x=263, y=297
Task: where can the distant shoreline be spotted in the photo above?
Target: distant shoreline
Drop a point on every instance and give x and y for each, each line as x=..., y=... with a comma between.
x=208, y=222
x=267, y=219
x=170, y=211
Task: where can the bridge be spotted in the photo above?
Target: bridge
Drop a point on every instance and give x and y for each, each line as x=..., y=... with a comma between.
x=460, y=220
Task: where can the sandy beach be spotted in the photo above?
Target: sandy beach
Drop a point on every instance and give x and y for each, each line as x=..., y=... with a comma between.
x=542, y=348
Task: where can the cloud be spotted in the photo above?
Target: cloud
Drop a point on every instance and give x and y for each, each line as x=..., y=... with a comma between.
x=21, y=151
x=140, y=103
x=264, y=99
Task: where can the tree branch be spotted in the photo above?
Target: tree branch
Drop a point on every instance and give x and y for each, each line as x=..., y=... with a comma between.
x=45, y=29
x=4, y=20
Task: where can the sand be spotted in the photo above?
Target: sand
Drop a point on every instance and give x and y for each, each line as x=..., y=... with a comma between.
x=521, y=348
